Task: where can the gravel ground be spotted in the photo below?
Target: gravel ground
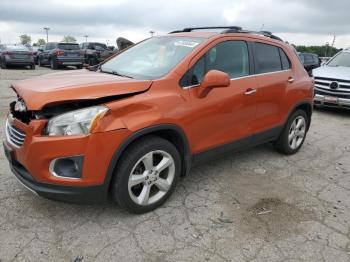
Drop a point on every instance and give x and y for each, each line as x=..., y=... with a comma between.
x=256, y=205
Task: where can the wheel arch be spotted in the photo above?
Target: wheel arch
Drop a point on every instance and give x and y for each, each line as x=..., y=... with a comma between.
x=306, y=107
x=170, y=132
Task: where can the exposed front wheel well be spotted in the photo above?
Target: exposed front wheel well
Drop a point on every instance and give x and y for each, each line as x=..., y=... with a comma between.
x=169, y=132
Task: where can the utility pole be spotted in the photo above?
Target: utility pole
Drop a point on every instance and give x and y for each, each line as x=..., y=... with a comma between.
x=47, y=33
x=86, y=37
x=327, y=44
x=333, y=40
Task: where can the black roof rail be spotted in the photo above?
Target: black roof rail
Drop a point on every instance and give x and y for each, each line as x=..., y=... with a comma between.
x=229, y=29
x=264, y=33
x=190, y=29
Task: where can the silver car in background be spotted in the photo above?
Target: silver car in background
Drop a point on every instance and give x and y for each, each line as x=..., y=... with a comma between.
x=332, y=81
x=16, y=55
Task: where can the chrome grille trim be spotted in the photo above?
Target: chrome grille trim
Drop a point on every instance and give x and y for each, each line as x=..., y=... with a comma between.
x=14, y=135
x=324, y=83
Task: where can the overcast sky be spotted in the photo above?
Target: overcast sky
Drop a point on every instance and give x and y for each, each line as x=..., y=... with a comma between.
x=297, y=21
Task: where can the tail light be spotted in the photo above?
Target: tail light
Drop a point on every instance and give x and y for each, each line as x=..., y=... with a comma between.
x=34, y=53
x=58, y=53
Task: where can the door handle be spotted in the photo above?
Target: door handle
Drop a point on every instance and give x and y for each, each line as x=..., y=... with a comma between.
x=250, y=91
x=290, y=80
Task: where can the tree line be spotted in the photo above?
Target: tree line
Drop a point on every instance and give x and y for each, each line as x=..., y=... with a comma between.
x=27, y=40
x=321, y=51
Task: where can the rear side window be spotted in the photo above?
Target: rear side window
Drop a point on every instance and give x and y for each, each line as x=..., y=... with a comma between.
x=230, y=57
x=267, y=58
x=284, y=60
x=68, y=46
x=308, y=59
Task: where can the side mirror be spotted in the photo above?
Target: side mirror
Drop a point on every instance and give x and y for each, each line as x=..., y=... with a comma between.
x=213, y=79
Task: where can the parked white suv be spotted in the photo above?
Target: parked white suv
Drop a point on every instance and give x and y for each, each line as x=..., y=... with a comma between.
x=332, y=81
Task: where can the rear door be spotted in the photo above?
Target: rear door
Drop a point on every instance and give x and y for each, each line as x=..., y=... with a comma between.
x=225, y=114
x=274, y=77
x=47, y=50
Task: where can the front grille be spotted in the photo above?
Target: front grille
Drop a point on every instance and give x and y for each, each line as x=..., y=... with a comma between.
x=327, y=93
x=322, y=84
x=14, y=135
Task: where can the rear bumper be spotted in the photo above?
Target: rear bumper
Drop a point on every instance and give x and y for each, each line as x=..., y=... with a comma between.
x=19, y=61
x=335, y=102
x=70, y=61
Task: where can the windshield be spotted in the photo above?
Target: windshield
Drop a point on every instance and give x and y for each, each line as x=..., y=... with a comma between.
x=342, y=59
x=68, y=46
x=17, y=48
x=99, y=45
x=152, y=58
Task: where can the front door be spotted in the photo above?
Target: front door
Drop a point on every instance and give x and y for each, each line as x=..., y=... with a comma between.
x=223, y=117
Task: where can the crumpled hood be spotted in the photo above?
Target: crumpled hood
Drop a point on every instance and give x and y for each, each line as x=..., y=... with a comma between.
x=337, y=72
x=75, y=85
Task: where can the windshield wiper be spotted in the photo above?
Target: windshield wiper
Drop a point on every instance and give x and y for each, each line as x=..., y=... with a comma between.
x=115, y=73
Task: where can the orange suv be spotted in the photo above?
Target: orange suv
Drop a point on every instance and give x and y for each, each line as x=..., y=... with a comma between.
x=131, y=126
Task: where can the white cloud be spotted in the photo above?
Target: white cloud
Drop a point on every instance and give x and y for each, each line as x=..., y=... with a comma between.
x=299, y=21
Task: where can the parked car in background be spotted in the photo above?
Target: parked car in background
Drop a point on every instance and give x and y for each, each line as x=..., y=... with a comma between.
x=94, y=52
x=310, y=61
x=137, y=123
x=332, y=81
x=35, y=51
x=61, y=54
x=16, y=55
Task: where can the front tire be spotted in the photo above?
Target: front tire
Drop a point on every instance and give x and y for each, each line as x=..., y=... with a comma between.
x=146, y=175
x=294, y=133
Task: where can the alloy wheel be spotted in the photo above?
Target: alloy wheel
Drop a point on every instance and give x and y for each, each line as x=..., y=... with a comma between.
x=297, y=132
x=151, y=177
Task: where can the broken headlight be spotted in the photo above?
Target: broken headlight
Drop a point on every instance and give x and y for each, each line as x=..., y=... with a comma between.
x=78, y=122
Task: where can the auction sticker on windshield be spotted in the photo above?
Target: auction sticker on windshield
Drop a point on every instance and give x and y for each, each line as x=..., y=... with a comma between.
x=186, y=43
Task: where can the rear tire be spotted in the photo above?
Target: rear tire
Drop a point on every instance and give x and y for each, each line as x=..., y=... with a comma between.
x=3, y=64
x=79, y=66
x=39, y=62
x=53, y=64
x=294, y=133
x=146, y=175
x=32, y=66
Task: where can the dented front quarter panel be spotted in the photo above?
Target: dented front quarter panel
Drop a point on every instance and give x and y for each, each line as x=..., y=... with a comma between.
x=161, y=104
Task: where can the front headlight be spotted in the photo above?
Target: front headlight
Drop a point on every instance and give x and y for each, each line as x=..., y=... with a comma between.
x=78, y=122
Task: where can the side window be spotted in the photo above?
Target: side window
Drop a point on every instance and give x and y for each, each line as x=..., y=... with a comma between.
x=230, y=57
x=267, y=58
x=195, y=75
x=285, y=60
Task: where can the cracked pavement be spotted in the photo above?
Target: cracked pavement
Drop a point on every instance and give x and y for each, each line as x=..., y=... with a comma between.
x=255, y=205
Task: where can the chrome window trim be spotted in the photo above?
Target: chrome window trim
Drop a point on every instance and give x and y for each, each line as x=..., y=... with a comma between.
x=242, y=77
